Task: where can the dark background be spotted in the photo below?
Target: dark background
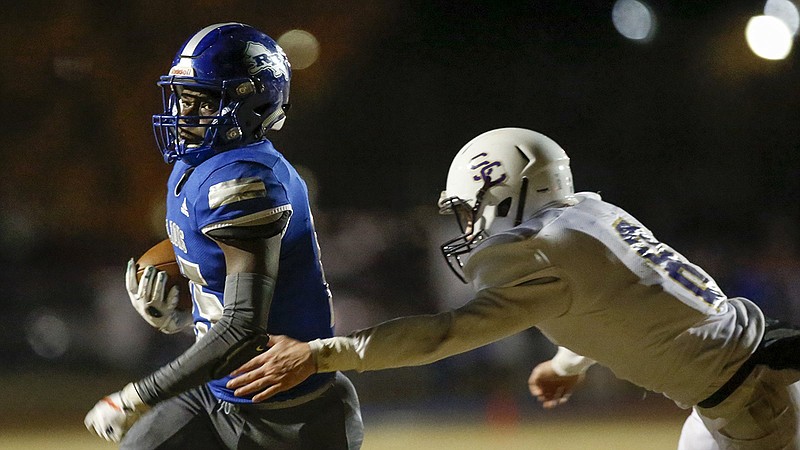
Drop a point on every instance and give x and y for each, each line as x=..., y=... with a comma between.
x=690, y=132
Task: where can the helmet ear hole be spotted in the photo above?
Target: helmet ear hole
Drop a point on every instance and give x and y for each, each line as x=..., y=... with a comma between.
x=503, y=208
x=261, y=110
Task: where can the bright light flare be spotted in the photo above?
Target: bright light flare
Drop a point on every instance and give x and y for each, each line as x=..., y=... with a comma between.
x=769, y=37
x=301, y=47
x=634, y=20
x=48, y=335
x=784, y=10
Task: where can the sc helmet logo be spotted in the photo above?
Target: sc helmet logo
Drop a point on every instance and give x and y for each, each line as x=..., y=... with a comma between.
x=258, y=59
x=484, y=169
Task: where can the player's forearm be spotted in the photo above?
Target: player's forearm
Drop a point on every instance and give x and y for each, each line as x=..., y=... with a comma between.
x=409, y=341
x=418, y=340
x=229, y=343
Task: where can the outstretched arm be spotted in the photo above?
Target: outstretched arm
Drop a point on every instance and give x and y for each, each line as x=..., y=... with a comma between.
x=407, y=341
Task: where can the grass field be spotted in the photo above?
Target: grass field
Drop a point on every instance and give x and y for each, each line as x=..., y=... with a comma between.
x=588, y=434
x=651, y=423
x=596, y=435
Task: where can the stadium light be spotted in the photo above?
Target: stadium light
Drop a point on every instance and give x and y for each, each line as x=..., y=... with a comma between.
x=784, y=10
x=634, y=20
x=769, y=37
x=301, y=47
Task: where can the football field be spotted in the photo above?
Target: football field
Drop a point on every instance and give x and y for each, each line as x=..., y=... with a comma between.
x=44, y=411
x=595, y=434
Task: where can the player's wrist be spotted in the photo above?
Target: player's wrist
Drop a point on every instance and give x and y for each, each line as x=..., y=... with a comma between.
x=131, y=400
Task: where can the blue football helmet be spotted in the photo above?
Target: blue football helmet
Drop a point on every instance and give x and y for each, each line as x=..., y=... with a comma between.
x=241, y=66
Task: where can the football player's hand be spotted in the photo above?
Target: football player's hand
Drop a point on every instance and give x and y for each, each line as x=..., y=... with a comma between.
x=285, y=365
x=114, y=414
x=153, y=302
x=550, y=388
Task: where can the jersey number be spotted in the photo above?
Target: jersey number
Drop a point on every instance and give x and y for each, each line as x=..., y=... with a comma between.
x=671, y=262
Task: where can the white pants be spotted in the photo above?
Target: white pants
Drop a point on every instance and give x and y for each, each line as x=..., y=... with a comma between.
x=762, y=414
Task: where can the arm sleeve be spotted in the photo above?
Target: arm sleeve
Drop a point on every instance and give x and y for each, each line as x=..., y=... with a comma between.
x=416, y=340
x=566, y=362
x=238, y=336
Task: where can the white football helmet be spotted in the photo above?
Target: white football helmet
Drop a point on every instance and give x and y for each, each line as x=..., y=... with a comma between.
x=498, y=180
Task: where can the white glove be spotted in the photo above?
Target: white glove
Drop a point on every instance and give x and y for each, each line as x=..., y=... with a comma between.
x=115, y=414
x=150, y=300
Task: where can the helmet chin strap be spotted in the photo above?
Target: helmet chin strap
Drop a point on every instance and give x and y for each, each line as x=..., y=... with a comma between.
x=477, y=210
x=523, y=194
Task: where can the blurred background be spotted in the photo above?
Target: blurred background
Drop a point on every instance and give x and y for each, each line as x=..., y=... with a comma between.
x=683, y=112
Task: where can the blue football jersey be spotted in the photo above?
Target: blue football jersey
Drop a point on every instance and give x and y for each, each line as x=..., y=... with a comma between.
x=234, y=188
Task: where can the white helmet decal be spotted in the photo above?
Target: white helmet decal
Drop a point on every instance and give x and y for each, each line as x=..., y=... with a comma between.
x=258, y=58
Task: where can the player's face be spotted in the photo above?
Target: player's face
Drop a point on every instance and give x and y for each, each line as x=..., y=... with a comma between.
x=196, y=103
x=463, y=212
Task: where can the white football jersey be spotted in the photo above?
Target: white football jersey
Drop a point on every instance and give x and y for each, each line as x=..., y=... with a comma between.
x=593, y=279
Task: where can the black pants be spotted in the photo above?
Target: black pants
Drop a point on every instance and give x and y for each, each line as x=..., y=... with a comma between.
x=198, y=420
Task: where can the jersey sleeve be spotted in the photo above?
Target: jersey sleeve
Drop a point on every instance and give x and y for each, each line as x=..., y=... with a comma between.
x=416, y=340
x=240, y=194
x=566, y=362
